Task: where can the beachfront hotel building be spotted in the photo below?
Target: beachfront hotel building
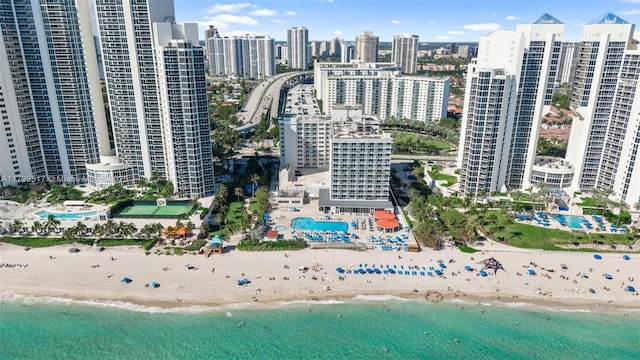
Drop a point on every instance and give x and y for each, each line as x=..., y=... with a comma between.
x=382, y=91
x=298, y=52
x=605, y=135
x=248, y=56
x=508, y=90
x=51, y=111
x=404, y=52
x=347, y=52
x=347, y=144
x=367, y=47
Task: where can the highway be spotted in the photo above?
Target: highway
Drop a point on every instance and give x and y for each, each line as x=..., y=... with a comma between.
x=261, y=100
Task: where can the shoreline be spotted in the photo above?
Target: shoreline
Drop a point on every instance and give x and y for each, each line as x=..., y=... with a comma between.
x=136, y=305
x=54, y=274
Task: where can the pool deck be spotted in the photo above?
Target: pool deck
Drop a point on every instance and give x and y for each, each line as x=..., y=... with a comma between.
x=281, y=216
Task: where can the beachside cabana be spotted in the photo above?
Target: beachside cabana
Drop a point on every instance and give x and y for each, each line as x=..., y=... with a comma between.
x=175, y=231
x=215, y=246
x=384, y=215
x=388, y=225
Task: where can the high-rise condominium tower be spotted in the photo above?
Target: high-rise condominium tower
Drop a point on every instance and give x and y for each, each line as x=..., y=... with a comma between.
x=508, y=90
x=404, y=52
x=185, y=115
x=298, y=47
x=157, y=93
x=129, y=65
x=248, y=56
x=367, y=47
x=51, y=108
x=567, y=63
x=605, y=136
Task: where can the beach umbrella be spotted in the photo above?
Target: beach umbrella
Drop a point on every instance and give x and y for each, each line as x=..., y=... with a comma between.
x=585, y=275
x=442, y=266
x=468, y=268
x=630, y=288
x=126, y=280
x=482, y=273
x=608, y=276
x=597, y=256
x=531, y=272
x=626, y=257
x=154, y=284
x=340, y=270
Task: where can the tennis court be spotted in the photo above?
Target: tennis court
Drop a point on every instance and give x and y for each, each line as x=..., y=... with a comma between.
x=171, y=210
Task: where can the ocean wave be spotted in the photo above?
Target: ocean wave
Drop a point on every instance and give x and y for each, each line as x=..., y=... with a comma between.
x=378, y=298
x=114, y=304
x=311, y=302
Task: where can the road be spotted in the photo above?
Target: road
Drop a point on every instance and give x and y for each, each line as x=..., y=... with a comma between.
x=261, y=100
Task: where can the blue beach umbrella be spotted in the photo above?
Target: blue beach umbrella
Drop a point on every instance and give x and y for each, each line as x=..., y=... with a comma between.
x=626, y=257
x=531, y=272
x=597, y=256
x=608, y=276
x=468, y=268
x=482, y=273
x=630, y=288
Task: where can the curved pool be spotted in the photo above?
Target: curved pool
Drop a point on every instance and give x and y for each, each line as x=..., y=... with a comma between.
x=73, y=215
x=306, y=223
x=280, y=228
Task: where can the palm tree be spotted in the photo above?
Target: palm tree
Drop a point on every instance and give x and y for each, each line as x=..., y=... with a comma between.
x=190, y=226
x=221, y=195
x=69, y=234
x=17, y=225
x=254, y=178
x=98, y=230
x=238, y=192
x=622, y=207
x=127, y=229
x=36, y=227
x=81, y=228
x=142, y=183
x=110, y=227
x=52, y=224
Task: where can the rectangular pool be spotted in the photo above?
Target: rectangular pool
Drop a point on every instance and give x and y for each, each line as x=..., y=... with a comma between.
x=573, y=221
x=305, y=223
x=79, y=215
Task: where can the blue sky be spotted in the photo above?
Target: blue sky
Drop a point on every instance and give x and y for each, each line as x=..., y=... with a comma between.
x=432, y=20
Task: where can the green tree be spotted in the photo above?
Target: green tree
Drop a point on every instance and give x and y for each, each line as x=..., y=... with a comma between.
x=254, y=178
x=238, y=192
x=52, y=224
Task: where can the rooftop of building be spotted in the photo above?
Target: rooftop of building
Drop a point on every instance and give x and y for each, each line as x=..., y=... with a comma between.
x=608, y=18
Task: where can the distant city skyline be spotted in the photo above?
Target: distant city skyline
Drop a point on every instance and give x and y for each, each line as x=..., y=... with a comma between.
x=432, y=21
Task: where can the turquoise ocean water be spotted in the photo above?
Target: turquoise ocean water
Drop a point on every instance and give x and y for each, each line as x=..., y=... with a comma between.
x=391, y=329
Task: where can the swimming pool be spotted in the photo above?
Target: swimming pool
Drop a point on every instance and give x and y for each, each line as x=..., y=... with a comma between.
x=574, y=221
x=305, y=223
x=80, y=215
x=280, y=228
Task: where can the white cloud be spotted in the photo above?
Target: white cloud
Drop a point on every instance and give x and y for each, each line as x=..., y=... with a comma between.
x=337, y=32
x=442, y=37
x=482, y=27
x=242, y=33
x=511, y=18
x=223, y=20
x=278, y=21
x=631, y=12
x=264, y=12
x=396, y=22
x=291, y=13
x=456, y=32
x=232, y=8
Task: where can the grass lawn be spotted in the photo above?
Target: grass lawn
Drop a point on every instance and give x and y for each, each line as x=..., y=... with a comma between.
x=235, y=212
x=587, y=201
x=449, y=178
x=535, y=237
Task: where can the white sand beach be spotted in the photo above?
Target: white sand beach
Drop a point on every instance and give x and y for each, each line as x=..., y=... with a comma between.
x=276, y=276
